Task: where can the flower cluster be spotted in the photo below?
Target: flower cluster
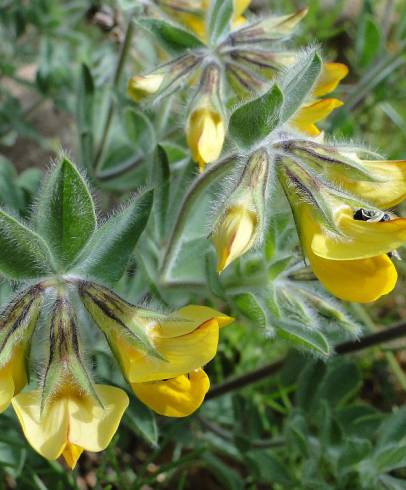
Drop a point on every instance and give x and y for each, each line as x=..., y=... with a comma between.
x=161, y=356
x=239, y=59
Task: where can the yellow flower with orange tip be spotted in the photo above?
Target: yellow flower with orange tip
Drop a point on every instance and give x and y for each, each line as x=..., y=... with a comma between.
x=234, y=234
x=141, y=86
x=71, y=421
x=315, y=111
x=161, y=356
x=205, y=133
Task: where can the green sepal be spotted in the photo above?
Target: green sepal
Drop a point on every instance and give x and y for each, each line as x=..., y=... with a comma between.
x=107, y=254
x=65, y=214
x=299, y=82
x=255, y=120
x=220, y=15
x=303, y=337
x=173, y=38
x=65, y=367
x=19, y=320
x=117, y=318
x=24, y=254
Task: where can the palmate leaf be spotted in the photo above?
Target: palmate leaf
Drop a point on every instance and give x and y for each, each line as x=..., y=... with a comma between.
x=65, y=214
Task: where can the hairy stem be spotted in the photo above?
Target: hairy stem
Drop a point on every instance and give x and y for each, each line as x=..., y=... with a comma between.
x=116, y=80
x=392, y=333
x=196, y=190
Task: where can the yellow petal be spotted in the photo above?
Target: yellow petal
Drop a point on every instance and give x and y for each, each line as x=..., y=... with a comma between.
x=71, y=454
x=6, y=387
x=362, y=280
x=308, y=115
x=205, y=135
x=187, y=319
x=240, y=6
x=175, y=397
x=182, y=354
x=46, y=434
x=91, y=426
x=387, y=191
x=18, y=367
x=234, y=235
x=331, y=76
x=363, y=238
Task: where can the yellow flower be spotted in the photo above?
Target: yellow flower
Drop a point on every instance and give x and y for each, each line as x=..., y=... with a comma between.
x=353, y=267
x=205, y=134
x=164, y=370
x=385, y=186
x=71, y=422
x=175, y=385
x=13, y=376
x=312, y=112
x=174, y=397
x=234, y=235
x=142, y=86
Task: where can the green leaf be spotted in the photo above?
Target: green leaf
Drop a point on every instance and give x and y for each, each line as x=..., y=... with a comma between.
x=299, y=82
x=84, y=115
x=354, y=451
x=268, y=469
x=107, y=254
x=369, y=41
x=65, y=214
x=228, y=478
x=139, y=130
x=249, y=306
x=309, y=383
x=141, y=420
x=393, y=429
x=342, y=381
x=303, y=337
x=390, y=458
x=174, y=39
x=24, y=254
x=220, y=18
x=253, y=121
x=160, y=177
x=10, y=194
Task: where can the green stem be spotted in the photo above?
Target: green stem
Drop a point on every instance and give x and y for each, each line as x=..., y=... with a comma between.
x=116, y=80
x=196, y=190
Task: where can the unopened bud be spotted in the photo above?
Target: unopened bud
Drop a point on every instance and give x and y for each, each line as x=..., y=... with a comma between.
x=141, y=86
x=234, y=235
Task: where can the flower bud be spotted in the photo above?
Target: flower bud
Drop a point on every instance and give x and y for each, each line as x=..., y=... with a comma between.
x=239, y=226
x=234, y=234
x=205, y=129
x=141, y=86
